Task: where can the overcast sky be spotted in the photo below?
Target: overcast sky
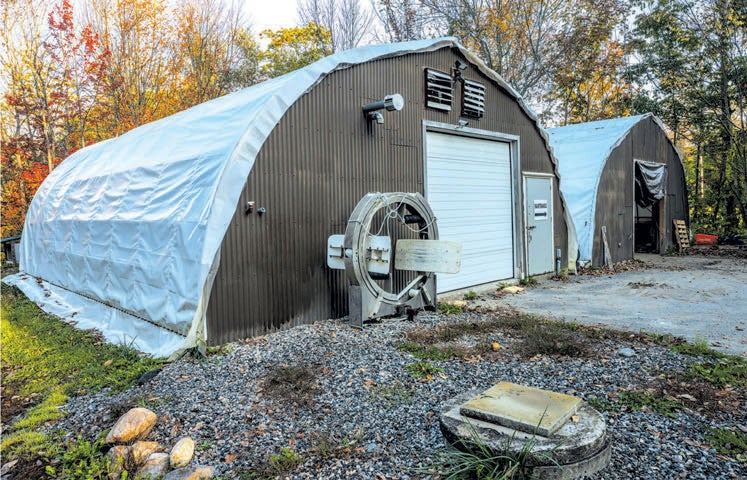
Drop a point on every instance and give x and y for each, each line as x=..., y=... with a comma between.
x=273, y=14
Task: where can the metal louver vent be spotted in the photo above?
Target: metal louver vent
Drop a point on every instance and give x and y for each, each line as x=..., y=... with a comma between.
x=473, y=99
x=439, y=91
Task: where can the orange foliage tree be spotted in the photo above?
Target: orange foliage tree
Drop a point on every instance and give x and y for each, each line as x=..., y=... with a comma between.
x=69, y=83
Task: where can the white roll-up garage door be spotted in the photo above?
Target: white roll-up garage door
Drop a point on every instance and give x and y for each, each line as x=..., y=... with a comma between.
x=468, y=185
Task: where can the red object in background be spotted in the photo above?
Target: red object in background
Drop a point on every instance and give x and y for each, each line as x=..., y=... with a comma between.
x=703, y=239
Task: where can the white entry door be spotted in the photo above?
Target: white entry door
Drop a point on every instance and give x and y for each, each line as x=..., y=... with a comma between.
x=539, y=224
x=469, y=188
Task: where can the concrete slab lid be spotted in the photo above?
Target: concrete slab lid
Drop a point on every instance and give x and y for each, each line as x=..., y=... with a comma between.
x=522, y=408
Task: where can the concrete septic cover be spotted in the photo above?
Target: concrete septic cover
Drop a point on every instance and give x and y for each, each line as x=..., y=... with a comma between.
x=527, y=409
x=576, y=447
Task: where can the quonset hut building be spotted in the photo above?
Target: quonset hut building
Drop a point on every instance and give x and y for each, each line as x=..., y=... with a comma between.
x=211, y=225
x=625, y=175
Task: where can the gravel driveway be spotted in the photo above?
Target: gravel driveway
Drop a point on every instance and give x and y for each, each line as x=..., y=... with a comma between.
x=690, y=296
x=368, y=417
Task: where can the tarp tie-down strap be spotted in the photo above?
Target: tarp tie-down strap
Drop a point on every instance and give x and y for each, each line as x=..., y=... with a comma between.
x=650, y=182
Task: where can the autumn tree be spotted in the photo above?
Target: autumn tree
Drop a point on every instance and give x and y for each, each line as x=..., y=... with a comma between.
x=295, y=47
x=347, y=20
x=693, y=65
x=405, y=20
x=217, y=51
x=141, y=81
x=591, y=84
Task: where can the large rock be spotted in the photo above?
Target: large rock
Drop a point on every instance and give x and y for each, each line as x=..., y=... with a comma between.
x=156, y=465
x=141, y=450
x=118, y=460
x=182, y=452
x=133, y=425
x=190, y=473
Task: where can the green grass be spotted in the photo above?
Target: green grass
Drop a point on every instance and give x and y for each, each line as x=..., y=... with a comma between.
x=728, y=442
x=45, y=360
x=528, y=281
x=449, y=309
x=471, y=295
x=426, y=352
x=729, y=370
x=719, y=369
x=656, y=402
x=698, y=349
x=473, y=459
x=423, y=369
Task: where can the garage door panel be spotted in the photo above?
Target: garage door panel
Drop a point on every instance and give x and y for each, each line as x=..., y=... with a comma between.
x=469, y=188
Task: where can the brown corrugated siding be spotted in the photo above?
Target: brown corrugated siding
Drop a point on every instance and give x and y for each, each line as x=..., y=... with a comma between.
x=316, y=164
x=616, y=194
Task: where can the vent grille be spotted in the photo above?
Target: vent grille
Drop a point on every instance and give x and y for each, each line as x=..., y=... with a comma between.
x=473, y=99
x=439, y=91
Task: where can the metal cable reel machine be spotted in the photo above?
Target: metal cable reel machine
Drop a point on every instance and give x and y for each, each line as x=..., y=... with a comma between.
x=372, y=266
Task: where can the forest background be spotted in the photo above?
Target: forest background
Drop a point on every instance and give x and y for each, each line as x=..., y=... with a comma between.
x=73, y=73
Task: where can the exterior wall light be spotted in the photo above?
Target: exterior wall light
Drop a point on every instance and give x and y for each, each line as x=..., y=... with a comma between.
x=391, y=103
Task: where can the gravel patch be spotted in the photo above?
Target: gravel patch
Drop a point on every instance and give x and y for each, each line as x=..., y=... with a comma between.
x=369, y=418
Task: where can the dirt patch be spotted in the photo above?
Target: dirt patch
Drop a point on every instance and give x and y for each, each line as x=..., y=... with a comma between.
x=27, y=468
x=702, y=396
x=13, y=404
x=293, y=383
x=727, y=251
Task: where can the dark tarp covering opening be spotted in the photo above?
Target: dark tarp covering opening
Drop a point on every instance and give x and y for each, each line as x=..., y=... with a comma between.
x=650, y=182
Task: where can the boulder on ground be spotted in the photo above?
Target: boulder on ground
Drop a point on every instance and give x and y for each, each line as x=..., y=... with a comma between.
x=182, y=452
x=136, y=424
x=156, y=465
x=190, y=473
x=141, y=450
x=118, y=458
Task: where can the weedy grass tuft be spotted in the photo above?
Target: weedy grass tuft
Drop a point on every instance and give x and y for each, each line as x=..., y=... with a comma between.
x=276, y=466
x=553, y=338
x=423, y=369
x=471, y=295
x=699, y=348
x=473, y=459
x=728, y=370
x=728, y=442
x=285, y=461
x=656, y=402
x=528, y=281
x=449, y=309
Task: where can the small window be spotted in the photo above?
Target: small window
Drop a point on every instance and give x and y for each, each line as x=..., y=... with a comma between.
x=473, y=99
x=439, y=91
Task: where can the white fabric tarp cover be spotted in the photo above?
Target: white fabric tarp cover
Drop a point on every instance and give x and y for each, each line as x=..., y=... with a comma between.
x=136, y=222
x=582, y=151
x=650, y=182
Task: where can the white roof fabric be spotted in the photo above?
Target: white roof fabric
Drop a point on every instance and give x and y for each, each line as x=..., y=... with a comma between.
x=135, y=223
x=582, y=151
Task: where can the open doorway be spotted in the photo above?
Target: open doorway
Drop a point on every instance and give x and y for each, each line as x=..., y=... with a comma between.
x=650, y=206
x=647, y=228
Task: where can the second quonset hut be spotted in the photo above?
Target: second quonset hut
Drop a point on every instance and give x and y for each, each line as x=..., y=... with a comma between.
x=625, y=175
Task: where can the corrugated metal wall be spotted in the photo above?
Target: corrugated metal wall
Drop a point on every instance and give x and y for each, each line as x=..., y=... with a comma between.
x=317, y=163
x=616, y=194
